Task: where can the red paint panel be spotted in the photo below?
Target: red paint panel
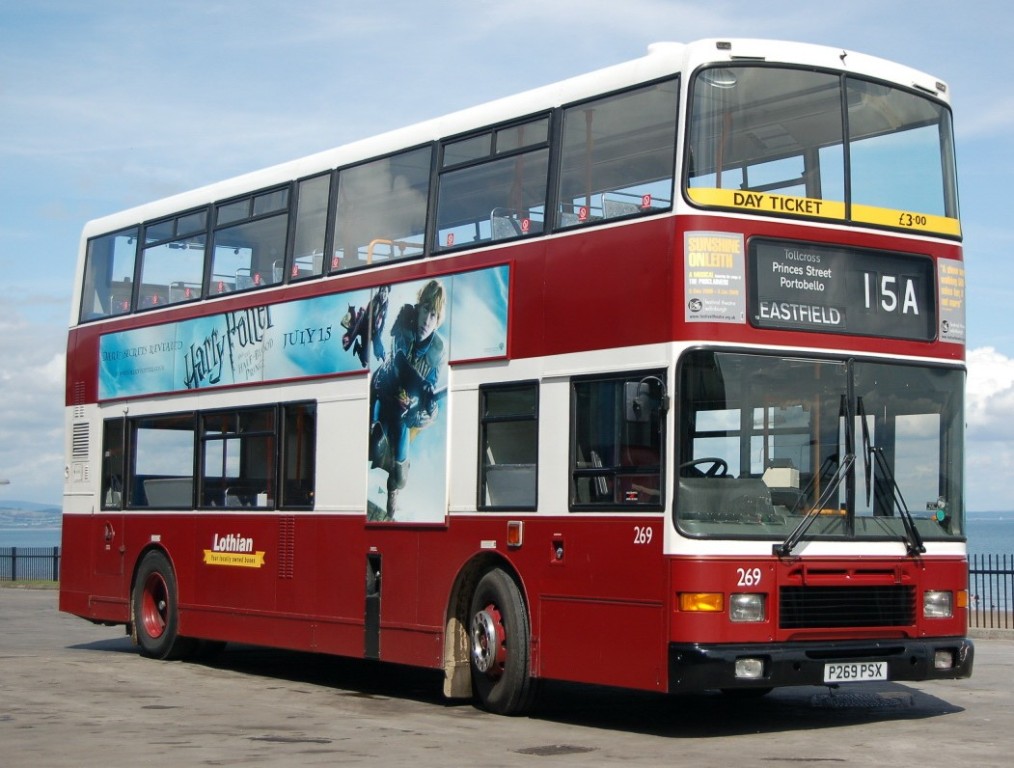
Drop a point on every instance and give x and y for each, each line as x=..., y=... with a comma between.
x=609, y=643
x=728, y=575
x=609, y=290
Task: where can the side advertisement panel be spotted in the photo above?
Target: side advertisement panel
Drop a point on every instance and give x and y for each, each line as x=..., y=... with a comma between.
x=318, y=336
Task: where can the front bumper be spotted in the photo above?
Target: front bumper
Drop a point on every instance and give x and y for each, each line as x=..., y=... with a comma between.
x=696, y=667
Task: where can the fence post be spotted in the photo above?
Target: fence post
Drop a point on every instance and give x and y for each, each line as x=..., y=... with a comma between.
x=14, y=563
x=56, y=563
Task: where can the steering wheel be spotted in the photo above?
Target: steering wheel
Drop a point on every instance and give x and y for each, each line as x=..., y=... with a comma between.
x=719, y=467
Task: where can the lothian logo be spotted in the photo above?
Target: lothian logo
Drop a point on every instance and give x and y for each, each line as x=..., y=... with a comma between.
x=232, y=543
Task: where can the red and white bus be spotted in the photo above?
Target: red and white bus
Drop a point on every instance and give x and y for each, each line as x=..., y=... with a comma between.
x=649, y=378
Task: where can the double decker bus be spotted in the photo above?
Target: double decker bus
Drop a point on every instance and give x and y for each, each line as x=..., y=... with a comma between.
x=651, y=378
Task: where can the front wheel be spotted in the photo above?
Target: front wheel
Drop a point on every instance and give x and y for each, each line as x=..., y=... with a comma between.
x=155, y=609
x=500, y=646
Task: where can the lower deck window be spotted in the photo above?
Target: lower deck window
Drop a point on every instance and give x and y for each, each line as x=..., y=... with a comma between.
x=616, y=441
x=299, y=436
x=162, y=474
x=509, y=444
x=239, y=452
x=260, y=458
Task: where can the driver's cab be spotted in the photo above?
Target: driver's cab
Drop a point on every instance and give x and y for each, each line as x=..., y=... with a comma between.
x=861, y=448
x=749, y=439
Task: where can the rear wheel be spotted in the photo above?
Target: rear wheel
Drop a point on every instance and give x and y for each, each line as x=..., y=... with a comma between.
x=156, y=611
x=500, y=646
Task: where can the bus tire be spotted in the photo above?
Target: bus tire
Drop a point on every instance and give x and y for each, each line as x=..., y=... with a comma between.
x=500, y=645
x=155, y=609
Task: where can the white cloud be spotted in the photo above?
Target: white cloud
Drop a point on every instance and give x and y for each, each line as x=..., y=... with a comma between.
x=31, y=408
x=989, y=395
x=989, y=444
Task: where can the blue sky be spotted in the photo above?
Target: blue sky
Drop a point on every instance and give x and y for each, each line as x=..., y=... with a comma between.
x=112, y=103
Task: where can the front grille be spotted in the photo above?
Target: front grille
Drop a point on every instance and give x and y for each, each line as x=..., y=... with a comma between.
x=822, y=607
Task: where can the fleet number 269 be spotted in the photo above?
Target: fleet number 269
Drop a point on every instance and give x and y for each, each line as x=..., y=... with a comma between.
x=748, y=577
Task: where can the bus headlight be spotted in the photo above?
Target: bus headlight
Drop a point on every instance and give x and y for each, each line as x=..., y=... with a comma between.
x=943, y=659
x=937, y=605
x=749, y=669
x=747, y=607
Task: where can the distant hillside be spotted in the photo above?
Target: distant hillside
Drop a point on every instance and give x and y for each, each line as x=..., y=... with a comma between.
x=28, y=514
x=27, y=506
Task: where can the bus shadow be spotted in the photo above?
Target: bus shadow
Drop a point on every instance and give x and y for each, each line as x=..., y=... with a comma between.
x=715, y=714
x=361, y=678
x=705, y=715
x=113, y=645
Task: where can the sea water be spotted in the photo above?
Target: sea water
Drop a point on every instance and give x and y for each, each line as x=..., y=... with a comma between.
x=29, y=537
x=990, y=533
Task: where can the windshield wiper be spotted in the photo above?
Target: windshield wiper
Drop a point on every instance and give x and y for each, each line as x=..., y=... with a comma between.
x=913, y=541
x=829, y=469
x=836, y=476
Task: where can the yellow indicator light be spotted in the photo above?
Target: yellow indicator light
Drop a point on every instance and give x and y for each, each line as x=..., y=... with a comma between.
x=962, y=595
x=707, y=602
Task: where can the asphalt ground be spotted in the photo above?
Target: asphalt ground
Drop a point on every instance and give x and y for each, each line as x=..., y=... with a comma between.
x=75, y=694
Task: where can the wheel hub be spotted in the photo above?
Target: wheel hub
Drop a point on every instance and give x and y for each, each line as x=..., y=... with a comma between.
x=488, y=649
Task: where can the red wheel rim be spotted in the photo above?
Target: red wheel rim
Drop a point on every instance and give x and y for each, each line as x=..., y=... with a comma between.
x=489, y=646
x=154, y=605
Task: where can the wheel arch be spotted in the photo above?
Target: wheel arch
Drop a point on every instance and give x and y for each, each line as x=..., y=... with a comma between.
x=457, y=671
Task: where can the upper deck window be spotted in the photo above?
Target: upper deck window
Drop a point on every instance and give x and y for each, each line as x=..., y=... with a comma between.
x=312, y=196
x=381, y=210
x=493, y=185
x=785, y=141
x=900, y=154
x=249, y=244
x=109, y=275
x=618, y=154
x=172, y=262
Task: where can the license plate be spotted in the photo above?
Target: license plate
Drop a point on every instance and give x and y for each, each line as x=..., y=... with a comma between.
x=855, y=671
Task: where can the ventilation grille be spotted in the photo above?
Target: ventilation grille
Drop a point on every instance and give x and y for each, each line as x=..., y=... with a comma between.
x=79, y=442
x=78, y=398
x=821, y=607
x=286, y=547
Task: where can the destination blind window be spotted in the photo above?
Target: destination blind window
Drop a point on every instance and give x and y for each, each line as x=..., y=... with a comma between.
x=807, y=287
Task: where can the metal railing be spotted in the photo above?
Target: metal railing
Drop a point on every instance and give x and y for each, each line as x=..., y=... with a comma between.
x=991, y=591
x=29, y=563
x=990, y=581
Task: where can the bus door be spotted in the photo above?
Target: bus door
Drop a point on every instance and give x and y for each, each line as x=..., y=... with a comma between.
x=106, y=531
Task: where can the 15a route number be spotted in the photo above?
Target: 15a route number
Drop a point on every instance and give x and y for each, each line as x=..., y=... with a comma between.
x=895, y=294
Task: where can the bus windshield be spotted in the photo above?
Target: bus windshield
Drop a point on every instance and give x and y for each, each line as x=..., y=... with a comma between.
x=774, y=140
x=868, y=450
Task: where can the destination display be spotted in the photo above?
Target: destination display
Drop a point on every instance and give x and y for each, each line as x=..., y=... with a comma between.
x=807, y=287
